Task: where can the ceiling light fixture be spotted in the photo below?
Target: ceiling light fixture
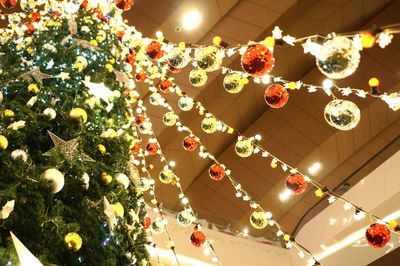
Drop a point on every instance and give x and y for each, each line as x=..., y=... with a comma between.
x=314, y=168
x=191, y=20
x=285, y=195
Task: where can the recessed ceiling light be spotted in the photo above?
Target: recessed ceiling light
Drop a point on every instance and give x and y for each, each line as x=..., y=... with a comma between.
x=314, y=168
x=285, y=195
x=191, y=20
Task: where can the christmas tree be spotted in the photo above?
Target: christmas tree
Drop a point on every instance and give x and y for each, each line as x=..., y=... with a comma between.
x=67, y=184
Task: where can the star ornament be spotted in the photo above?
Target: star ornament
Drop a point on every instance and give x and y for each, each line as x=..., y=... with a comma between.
x=110, y=214
x=68, y=148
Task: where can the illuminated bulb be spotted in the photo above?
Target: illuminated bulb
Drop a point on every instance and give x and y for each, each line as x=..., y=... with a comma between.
x=172, y=164
x=347, y=206
x=245, y=232
x=311, y=262
x=266, y=79
x=207, y=251
x=185, y=201
x=159, y=34
x=313, y=169
x=268, y=215
x=191, y=20
x=373, y=82
x=257, y=137
x=331, y=199
x=279, y=233
x=301, y=254
x=327, y=84
x=359, y=215
x=285, y=195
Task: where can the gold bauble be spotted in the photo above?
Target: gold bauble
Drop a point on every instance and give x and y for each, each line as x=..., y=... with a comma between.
x=55, y=178
x=9, y=113
x=209, y=124
x=102, y=149
x=73, y=241
x=167, y=176
x=244, y=148
x=78, y=115
x=3, y=143
x=105, y=178
x=233, y=83
x=118, y=209
x=170, y=119
x=209, y=58
x=258, y=220
x=198, y=77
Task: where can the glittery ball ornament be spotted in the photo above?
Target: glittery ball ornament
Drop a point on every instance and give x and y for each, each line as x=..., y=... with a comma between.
x=198, y=77
x=232, y=83
x=166, y=176
x=185, y=103
x=258, y=60
x=78, y=115
x=165, y=85
x=154, y=50
x=124, y=4
x=296, y=183
x=55, y=180
x=146, y=222
x=73, y=241
x=155, y=98
x=29, y=5
x=8, y=3
x=216, y=172
x=145, y=127
x=338, y=58
x=342, y=114
x=258, y=220
x=377, y=235
x=158, y=226
x=152, y=148
x=209, y=58
x=141, y=76
x=190, y=143
x=209, y=124
x=174, y=69
x=198, y=238
x=185, y=218
x=244, y=148
x=170, y=119
x=178, y=58
x=144, y=184
x=276, y=96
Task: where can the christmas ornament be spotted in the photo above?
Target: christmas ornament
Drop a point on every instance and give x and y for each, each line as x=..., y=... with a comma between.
x=185, y=103
x=141, y=76
x=7, y=209
x=50, y=112
x=145, y=127
x=124, y=4
x=3, y=143
x=157, y=226
x=154, y=50
x=244, y=148
x=8, y=3
x=209, y=58
x=105, y=178
x=78, y=115
x=170, y=119
x=167, y=176
x=122, y=179
x=55, y=178
x=166, y=85
x=178, y=58
x=1, y=97
x=296, y=183
x=276, y=96
x=110, y=214
x=118, y=209
x=197, y=238
x=342, y=114
x=258, y=60
x=19, y=155
x=367, y=40
x=233, y=83
x=25, y=257
x=155, y=98
x=29, y=28
x=146, y=222
x=102, y=149
x=377, y=235
x=338, y=58
x=216, y=172
x=139, y=119
x=85, y=180
x=258, y=220
x=198, y=77
x=185, y=218
x=189, y=143
x=145, y=184
x=29, y=5
x=73, y=241
x=174, y=69
x=209, y=124
x=152, y=148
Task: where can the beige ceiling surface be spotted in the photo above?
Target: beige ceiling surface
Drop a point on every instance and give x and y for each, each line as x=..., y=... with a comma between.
x=296, y=133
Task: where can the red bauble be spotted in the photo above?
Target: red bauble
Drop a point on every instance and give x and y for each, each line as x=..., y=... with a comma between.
x=154, y=50
x=216, y=172
x=296, y=183
x=377, y=235
x=29, y=28
x=139, y=119
x=258, y=60
x=84, y=4
x=136, y=148
x=35, y=16
x=141, y=76
x=8, y=3
x=152, y=148
x=197, y=238
x=174, y=69
x=131, y=57
x=165, y=85
x=124, y=4
x=276, y=96
x=190, y=143
x=146, y=222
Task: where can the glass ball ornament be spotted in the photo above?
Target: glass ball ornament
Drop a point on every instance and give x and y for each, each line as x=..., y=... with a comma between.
x=377, y=235
x=166, y=85
x=185, y=218
x=190, y=143
x=178, y=58
x=8, y=3
x=244, y=148
x=209, y=124
x=342, y=114
x=198, y=77
x=296, y=183
x=125, y=5
x=152, y=148
x=29, y=28
x=174, y=70
x=29, y=5
x=216, y=172
x=144, y=184
x=73, y=241
x=145, y=127
x=166, y=176
x=257, y=60
x=141, y=76
x=276, y=96
x=233, y=83
x=185, y=103
x=170, y=119
x=155, y=98
x=157, y=226
x=197, y=238
x=146, y=222
x=154, y=50
x=209, y=58
x=338, y=58
x=258, y=220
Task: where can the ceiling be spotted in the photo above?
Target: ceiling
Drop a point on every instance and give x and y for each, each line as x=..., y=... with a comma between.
x=296, y=133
